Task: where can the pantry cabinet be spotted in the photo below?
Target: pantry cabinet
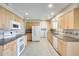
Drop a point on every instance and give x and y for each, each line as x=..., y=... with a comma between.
x=70, y=20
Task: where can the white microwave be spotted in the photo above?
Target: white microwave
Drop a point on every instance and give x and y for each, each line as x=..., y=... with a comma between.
x=15, y=25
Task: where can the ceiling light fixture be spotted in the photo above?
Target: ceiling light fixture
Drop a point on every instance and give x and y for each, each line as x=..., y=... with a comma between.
x=52, y=13
x=26, y=13
x=50, y=5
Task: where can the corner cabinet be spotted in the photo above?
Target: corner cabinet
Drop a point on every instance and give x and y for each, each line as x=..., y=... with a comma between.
x=70, y=20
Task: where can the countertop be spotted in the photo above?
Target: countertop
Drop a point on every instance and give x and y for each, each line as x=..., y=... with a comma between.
x=65, y=38
x=5, y=41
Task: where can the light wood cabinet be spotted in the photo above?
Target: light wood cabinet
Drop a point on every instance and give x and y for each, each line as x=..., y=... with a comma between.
x=29, y=36
x=62, y=46
x=70, y=20
x=61, y=22
x=1, y=17
x=29, y=25
x=6, y=16
x=1, y=50
x=49, y=33
x=50, y=37
x=66, y=48
x=26, y=40
x=76, y=17
x=9, y=49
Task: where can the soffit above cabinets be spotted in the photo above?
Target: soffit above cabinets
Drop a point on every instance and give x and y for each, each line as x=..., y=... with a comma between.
x=39, y=11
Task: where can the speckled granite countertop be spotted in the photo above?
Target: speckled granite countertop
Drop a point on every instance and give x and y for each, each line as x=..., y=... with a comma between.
x=65, y=38
x=5, y=41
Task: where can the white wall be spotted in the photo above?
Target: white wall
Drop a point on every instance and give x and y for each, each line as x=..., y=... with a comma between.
x=43, y=24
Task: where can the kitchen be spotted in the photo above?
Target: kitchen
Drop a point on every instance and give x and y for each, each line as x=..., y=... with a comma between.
x=19, y=31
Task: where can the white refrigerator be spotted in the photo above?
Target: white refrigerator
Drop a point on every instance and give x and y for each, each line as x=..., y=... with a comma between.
x=36, y=33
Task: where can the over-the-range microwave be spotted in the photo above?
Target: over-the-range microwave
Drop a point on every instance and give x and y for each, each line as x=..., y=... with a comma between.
x=15, y=25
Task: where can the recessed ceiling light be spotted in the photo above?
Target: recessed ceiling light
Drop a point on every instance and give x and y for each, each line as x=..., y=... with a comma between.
x=26, y=13
x=50, y=5
x=52, y=13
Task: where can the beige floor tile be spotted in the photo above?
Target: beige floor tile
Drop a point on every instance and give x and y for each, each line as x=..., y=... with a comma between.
x=42, y=48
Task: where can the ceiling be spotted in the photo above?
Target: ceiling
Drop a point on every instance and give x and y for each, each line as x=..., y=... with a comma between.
x=39, y=11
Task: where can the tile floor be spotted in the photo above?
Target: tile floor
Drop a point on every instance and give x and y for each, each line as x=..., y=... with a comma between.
x=42, y=48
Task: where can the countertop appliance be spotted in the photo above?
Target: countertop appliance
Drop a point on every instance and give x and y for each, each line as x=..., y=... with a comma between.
x=15, y=25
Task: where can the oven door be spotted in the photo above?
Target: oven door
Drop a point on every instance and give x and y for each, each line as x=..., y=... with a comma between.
x=20, y=45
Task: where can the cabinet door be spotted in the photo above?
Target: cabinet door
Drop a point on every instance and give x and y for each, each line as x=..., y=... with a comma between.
x=65, y=21
x=50, y=37
x=10, y=49
x=29, y=36
x=61, y=24
x=62, y=47
x=6, y=18
x=1, y=18
x=1, y=50
x=76, y=21
x=70, y=19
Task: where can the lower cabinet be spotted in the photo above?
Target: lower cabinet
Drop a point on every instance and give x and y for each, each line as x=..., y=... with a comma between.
x=9, y=49
x=26, y=40
x=62, y=46
x=1, y=49
x=29, y=36
x=66, y=48
x=50, y=37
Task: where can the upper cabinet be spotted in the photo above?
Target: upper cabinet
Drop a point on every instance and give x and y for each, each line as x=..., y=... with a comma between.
x=70, y=20
x=76, y=17
x=6, y=17
x=1, y=18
